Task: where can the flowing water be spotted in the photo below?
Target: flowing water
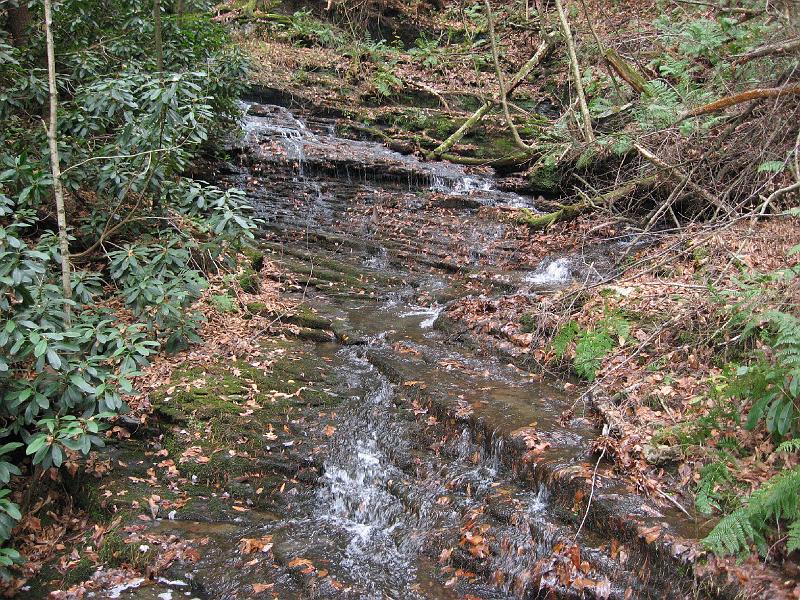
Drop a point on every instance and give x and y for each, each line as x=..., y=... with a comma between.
x=412, y=503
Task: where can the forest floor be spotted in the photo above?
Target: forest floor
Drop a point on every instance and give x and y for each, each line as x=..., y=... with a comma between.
x=659, y=318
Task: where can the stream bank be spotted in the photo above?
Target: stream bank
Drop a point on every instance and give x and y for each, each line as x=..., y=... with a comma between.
x=370, y=448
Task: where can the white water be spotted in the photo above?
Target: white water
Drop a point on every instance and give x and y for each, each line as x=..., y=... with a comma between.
x=555, y=272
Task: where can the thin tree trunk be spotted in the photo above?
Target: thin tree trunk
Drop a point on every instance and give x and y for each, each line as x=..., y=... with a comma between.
x=526, y=69
x=159, y=46
x=55, y=162
x=501, y=81
x=179, y=8
x=576, y=72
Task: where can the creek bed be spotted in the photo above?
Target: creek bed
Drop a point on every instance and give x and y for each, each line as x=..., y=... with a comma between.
x=445, y=472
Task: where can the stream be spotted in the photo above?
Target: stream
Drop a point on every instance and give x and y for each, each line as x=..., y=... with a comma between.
x=413, y=502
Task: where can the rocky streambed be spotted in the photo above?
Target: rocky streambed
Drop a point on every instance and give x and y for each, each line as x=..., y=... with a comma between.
x=379, y=453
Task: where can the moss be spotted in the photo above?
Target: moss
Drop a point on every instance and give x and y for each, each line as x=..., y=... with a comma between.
x=224, y=303
x=306, y=317
x=527, y=322
x=114, y=552
x=545, y=178
x=315, y=335
x=80, y=572
x=257, y=308
x=249, y=281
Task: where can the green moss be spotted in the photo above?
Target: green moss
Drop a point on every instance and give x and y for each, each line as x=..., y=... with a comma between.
x=114, y=552
x=224, y=303
x=306, y=317
x=249, y=281
x=255, y=256
x=546, y=178
x=527, y=322
x=80, y=572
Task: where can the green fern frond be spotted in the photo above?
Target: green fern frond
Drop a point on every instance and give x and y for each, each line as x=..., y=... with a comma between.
x=789, y=446
x=707, y=499
x=732, y=535
x=793, y=540
x=778, y=498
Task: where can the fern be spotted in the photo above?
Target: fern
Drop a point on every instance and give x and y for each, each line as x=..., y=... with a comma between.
x=590, y=350
x=793, y=539
x=711, y=475
x=659, y=107
x=732, y=535
x=622, y=145
x=591, y=346
x=680, y=70
x=789, y=446
x=777, y=499
x=771, y=166
x=564, y=337
x=702, y=38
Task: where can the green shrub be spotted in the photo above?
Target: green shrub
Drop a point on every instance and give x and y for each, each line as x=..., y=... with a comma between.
x=126, y=134
x=768, y=381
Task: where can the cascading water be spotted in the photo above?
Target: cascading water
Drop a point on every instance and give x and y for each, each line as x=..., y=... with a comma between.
x=409, y=505
x=353, y=495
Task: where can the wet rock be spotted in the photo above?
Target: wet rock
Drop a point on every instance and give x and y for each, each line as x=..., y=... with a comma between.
x=660, y=455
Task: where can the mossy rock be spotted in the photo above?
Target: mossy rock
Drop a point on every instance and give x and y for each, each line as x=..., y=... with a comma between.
x=80, y=572
x=255, y=258
x=306, y=317
x=224, y=303
x=114, y=552
x=545, y=179
x=315, y=335
x=249, y=281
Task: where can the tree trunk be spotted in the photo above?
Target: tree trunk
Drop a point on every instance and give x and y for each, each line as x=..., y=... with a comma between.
x=576, y=73
x=19, y=18
x=55, y=162
x=159, y=46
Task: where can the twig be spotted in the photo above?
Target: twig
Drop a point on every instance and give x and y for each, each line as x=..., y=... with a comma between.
x=591, y=495
x=676, y=174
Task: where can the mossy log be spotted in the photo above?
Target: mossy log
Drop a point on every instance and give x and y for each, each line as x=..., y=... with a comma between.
x=572, y=211
x=407, y=147
x=446, y=145
x=627, y=72
x=542, y=51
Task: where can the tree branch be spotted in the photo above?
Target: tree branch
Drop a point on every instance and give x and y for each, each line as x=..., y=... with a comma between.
x=735, y=99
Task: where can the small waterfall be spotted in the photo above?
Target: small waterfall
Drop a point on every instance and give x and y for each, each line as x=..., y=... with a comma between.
x=554, y=272
x=354, y=495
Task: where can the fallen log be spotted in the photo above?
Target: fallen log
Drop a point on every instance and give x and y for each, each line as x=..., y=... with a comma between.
x=769, y=50
x=631, y=76
x=410, y=147
x=754, y=94
x=544, y=48
x=571, y=211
